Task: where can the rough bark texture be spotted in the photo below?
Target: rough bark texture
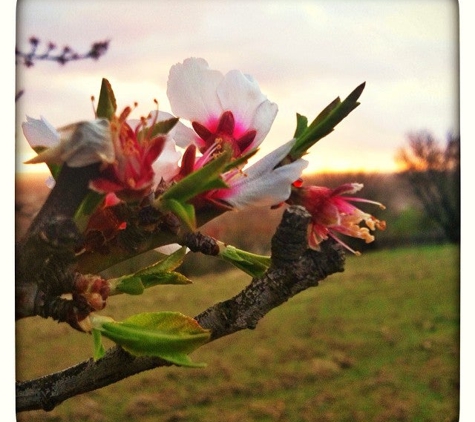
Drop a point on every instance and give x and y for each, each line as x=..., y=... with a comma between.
x=294, y=268
x=45, y=253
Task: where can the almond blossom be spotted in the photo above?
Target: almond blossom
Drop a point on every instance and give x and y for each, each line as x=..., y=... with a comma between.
x=334, y=213
x=78, y=144
x=137, y=146
x=221, y=108
x=127, y=149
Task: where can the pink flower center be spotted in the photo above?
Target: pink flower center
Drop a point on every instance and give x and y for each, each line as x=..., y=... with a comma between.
x=225, y=132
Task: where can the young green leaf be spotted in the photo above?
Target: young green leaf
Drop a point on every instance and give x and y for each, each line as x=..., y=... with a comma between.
x=98, y=346
x=167, y=335
x=208, y=177
x=252, y=264
x=325, y=122
x=131, y=285
x=159, y=273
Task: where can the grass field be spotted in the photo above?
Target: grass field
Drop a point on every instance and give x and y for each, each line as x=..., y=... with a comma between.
x=379, y=342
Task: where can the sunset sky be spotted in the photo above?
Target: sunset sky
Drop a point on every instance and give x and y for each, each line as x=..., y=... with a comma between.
x=303, y=54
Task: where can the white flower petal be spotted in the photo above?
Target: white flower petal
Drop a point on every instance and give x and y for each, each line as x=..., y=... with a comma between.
x=87, y=143
x=268, y=162
x=263, y=120
x=153, y=117
x=264, y=185
x=185, y=136
x=169, y=249
x=80, y=144
x=252, y=110
x=191, y=91
x=268, y=190
x=39, y=132
x=166, y=165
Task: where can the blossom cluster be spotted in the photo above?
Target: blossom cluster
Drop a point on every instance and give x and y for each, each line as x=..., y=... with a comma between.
x=211, y=114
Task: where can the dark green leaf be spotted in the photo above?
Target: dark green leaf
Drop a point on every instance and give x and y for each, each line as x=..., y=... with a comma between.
x=162, y=127
x=302, y=123
x=107, y=106
x=89, y=204
x=185, y=212
x=206, y=178
x=325, y=122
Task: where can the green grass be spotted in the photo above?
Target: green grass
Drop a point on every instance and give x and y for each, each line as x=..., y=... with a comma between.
x=379, y=342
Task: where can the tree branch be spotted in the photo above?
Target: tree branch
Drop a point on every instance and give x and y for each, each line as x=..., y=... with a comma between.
x=44, y=255
x=294, y=268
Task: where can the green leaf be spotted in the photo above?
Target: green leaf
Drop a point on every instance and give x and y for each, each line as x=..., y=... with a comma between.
x=107, y=105
x=170, y=277
x=131, y=285
x=240, y=160
x=185, y=212
x=163, y=127
x=325, y=122
x=135, y=285
x=159, y=273
x=302, y=123
x=99, y=350
x=169, y=263
x=252, y=264
x=176, y=198
x=206, y=178
x=167, y=335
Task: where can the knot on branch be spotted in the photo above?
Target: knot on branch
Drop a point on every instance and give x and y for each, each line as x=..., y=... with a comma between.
x=60, y=233
x=198, y=242
x=290, y=239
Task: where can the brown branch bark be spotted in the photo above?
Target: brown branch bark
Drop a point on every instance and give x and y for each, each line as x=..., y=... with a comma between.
x=294, y=268
x=44, y=255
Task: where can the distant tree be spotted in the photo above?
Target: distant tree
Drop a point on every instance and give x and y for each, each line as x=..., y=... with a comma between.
x=433, y=172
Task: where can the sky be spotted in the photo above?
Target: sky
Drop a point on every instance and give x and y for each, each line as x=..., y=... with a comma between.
x=303, y=53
